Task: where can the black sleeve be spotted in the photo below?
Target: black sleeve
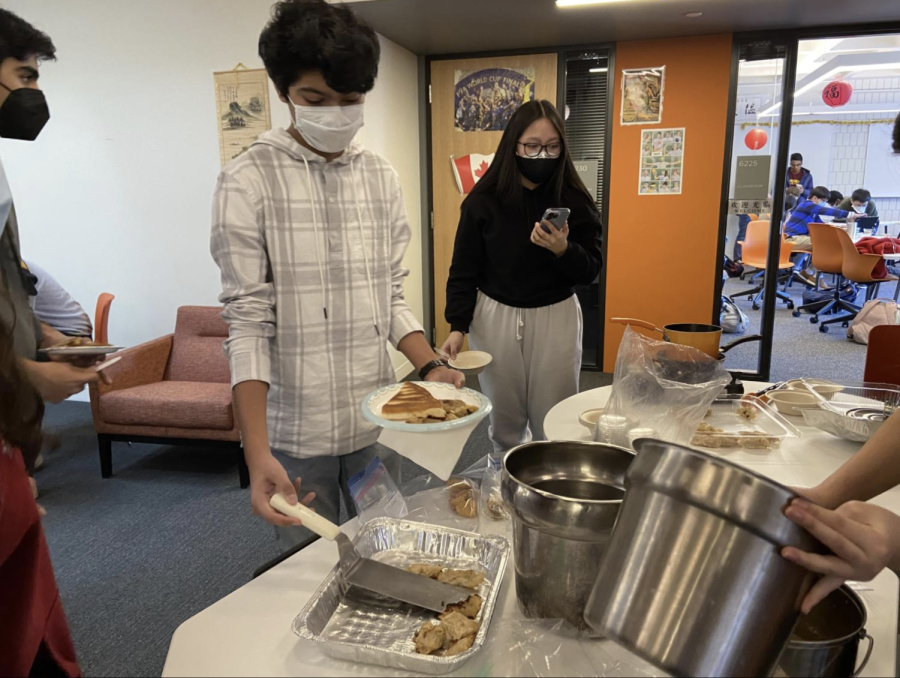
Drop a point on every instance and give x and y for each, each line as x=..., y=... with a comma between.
x=465, y=269
x=580, y=265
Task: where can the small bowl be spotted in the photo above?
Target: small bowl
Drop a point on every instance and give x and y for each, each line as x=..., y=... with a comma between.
x=471, y=362
x=823, y=387
x=589, y=418
x=793, y=402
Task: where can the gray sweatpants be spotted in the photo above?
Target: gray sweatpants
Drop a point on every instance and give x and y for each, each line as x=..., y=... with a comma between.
x=537, y=363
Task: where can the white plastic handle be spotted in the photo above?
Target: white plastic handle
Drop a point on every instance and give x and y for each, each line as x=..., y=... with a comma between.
x=310, y=519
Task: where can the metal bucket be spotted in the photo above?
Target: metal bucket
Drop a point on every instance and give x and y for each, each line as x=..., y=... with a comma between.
x=564, y=498
x=825, y=642
x=693, y=580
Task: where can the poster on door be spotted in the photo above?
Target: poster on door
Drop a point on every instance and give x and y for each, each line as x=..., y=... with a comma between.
x=662, y=162
x=642, y=95
x=485, y=100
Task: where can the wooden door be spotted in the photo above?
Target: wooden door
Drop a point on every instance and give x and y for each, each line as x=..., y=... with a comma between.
x=447, y=141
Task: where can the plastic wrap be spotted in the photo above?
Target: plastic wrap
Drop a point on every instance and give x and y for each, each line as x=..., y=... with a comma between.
x=551, y=647
x=375, y=493
x=660, y=390
x=491, y=505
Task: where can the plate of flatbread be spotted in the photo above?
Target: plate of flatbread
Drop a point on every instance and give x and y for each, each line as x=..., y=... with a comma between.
x=424, y=407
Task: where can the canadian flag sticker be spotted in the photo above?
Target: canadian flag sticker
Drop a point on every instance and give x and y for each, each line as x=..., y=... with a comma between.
x=469, y=169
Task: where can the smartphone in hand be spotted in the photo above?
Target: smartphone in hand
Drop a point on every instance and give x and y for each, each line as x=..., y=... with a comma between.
x=558, y=216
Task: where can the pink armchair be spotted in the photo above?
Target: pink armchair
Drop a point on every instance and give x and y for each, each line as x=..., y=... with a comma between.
x=175, y=390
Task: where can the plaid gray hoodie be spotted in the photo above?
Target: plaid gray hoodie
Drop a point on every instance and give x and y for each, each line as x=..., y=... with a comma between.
x=312, y=282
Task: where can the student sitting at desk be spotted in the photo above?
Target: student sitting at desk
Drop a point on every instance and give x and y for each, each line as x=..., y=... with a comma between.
x=860, y=201
x=809, y=211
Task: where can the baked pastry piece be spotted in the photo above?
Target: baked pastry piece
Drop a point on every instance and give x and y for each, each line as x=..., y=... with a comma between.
x=413, y=402
x=469, y=579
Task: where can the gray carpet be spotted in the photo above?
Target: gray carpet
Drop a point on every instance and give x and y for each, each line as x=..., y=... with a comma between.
x=170, y=534
x=799, y=349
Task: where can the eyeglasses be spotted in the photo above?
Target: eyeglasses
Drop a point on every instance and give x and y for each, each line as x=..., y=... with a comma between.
x=534, y=150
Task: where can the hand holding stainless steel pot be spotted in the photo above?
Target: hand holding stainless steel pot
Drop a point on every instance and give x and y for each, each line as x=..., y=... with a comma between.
x=693, y=579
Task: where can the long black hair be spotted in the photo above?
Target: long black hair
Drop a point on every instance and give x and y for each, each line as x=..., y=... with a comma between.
x=503, y=177
x=21, y=409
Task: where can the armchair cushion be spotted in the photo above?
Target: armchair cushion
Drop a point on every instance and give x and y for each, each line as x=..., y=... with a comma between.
x=176, y=404
x=197, y=348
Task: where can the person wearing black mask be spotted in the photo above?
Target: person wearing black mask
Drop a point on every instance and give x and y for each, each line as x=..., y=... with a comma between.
x=512, y=278
x=23, y=114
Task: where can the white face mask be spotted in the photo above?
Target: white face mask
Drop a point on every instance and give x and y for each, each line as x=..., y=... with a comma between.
x=329, y=129
x=860, y=210
x=5, y=200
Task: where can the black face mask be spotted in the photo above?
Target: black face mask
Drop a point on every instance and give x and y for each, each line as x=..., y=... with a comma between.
x=537, y=170
x=23, y=114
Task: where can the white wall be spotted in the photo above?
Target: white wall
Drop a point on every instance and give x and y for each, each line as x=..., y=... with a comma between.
x=115, y=195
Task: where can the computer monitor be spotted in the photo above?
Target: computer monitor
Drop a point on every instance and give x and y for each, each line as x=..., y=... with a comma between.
x=866, y=224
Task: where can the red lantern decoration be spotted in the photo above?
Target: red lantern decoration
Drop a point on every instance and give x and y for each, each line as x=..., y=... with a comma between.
x=837, y=93
x=756, y=139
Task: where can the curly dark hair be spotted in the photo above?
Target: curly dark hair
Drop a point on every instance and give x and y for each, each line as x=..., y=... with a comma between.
x=20, y=40
x=311, y=35
x=21, y=409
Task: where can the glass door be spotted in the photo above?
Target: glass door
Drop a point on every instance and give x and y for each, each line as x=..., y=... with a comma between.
x=754, y=209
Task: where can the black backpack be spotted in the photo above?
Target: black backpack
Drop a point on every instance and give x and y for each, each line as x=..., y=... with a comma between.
x=816, y=300
x=732, y=268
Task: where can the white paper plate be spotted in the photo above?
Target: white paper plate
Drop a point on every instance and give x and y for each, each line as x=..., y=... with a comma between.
x=81, y=350
x=372, y=404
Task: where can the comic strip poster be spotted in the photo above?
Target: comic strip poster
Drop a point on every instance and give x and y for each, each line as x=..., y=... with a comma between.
x=662, y=162
x=642, y=95
x=485, y=100
x=242, y=110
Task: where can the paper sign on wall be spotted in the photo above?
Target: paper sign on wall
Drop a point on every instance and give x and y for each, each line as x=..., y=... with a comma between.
x=642, y=95
x=485, y=100
x=588, y=171
x=751, y=177
x=242, y=108
x=662, y=161
x=750, y=206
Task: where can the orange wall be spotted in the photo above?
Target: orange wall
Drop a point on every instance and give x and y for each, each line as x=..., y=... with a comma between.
x=661, y=257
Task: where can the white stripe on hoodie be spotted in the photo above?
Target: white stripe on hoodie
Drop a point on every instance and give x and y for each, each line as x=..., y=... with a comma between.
x=312, y=282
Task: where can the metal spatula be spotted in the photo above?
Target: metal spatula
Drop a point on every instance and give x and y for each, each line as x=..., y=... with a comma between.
x=370, y=575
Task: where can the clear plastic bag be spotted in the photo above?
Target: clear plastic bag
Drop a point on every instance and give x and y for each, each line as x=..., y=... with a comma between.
x=491, y=504
x=454, y=503
x=660, y=390
x=375, y=493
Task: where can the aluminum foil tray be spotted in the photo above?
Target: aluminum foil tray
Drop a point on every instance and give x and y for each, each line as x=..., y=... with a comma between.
x=855, y=429
x=357, y=628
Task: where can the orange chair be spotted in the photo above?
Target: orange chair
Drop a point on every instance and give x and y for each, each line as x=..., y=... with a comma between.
x=101, y=318
x=756, y=249
x=882, y=357
x=856, y=268
x=828, y=258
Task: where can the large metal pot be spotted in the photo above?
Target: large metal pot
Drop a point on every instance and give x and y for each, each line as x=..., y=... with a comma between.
x=693, y=579
x=564, y=497
x=825, y=642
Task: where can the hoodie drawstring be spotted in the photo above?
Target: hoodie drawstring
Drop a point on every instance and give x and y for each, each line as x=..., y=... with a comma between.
x=362, y=238
x=312, y=203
